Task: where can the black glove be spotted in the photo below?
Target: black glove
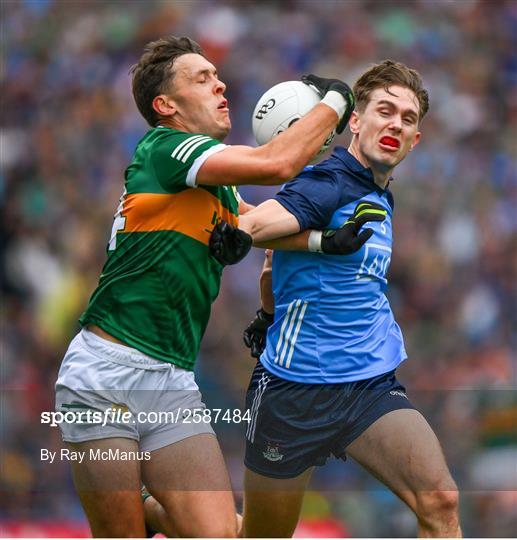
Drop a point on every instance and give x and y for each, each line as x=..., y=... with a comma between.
x=255, y=334
x=347, y=239
x=322, y=86
x=228, y=244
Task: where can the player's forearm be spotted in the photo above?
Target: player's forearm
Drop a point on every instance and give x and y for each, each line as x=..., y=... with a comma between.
x=266, y=293
x=266, y=285
x=275, y=162
x=294, y=242
x=296, y=146
x=272, y=226
x=268, y=221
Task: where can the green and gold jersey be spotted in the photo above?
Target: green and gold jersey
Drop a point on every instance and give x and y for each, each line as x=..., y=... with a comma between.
x=158, y=284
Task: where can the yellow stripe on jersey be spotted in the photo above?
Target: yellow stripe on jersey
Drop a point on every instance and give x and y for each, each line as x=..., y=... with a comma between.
x=190, y=212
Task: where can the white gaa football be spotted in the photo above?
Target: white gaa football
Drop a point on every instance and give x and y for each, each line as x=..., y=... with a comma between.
x=280, y=107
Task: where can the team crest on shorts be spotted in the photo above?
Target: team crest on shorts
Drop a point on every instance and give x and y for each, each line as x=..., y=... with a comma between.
x=272, y=453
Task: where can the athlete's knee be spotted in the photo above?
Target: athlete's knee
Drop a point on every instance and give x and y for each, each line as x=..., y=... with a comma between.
x=438, y=507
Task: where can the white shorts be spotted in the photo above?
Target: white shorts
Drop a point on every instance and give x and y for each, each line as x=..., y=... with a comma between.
x=150, y=401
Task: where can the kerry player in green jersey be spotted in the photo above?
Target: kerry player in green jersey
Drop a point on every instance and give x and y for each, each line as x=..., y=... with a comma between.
x=143, y=325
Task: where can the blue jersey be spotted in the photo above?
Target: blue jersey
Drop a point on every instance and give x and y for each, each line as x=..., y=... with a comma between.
x=333, y=322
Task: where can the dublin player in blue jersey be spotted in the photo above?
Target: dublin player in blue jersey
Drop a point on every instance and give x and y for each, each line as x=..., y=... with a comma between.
x=325, y=383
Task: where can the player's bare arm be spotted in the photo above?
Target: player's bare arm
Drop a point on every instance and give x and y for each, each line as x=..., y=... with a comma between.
x=273, y=226
x=275, y=162
x=266, y=283
x=268, y=221
x=294, y=242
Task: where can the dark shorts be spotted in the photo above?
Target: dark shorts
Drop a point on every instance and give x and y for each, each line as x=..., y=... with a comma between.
x=294, y=426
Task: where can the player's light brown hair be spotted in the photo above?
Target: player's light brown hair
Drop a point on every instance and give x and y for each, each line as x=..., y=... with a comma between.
x=154, y=72
x=389, y=73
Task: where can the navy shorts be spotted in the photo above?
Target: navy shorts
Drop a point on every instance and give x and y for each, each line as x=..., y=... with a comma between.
x=294, y=426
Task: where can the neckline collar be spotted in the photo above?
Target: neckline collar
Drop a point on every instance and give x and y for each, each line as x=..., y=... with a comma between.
x=355, y=166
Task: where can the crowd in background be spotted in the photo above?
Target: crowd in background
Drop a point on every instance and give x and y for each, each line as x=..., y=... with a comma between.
x=69, y=127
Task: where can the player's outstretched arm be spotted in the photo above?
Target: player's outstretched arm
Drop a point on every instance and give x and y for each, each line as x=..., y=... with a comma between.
x=270, y=225
x=285, y=155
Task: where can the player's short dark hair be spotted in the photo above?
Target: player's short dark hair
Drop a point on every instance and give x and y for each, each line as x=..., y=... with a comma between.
x=386, y=74
x=153, y=73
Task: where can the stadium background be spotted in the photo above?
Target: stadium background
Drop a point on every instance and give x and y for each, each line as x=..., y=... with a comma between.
x=69, y=127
